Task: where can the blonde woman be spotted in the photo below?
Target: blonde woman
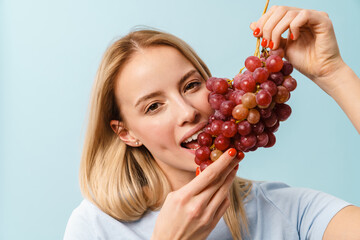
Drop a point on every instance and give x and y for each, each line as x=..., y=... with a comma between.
x=138, y=176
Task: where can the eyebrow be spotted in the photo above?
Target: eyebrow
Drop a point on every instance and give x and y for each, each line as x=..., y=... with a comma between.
x=157, y=93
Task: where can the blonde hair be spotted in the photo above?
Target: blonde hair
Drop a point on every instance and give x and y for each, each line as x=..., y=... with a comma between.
x=125, y=181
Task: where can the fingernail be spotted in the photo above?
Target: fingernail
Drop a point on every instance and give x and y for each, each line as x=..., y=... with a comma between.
x=240, y=155
x=291, y=36
x=197, y=171
x=256, y=31
x=232, y=152
x=271, y=44
x=236, y=167
x=264, y=42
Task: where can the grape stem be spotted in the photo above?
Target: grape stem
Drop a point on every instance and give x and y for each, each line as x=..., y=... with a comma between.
x=257, y=49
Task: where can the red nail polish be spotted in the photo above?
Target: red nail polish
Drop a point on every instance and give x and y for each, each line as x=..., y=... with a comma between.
x=291, y=36
x=256, y=31
x=197, y=171
x=271, y=44
x=264, y=42
x=240, y=155
x=232, y=152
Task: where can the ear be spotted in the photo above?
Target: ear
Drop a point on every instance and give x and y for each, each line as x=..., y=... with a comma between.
x=124, y=134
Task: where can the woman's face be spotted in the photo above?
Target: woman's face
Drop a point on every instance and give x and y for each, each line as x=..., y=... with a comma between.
x=163, y=100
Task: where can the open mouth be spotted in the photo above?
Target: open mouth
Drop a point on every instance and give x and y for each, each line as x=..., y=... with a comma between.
x=193, y=145
x=191, y=142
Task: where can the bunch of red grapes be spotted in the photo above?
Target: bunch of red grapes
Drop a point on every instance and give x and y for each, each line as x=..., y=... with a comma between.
x=248, y=109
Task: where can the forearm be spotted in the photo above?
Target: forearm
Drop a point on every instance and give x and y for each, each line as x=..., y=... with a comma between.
x=346, y=92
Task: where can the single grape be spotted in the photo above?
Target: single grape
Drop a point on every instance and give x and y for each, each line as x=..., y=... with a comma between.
x=269, y=86
x=198, y=161
x=220, y=86
x=221, y=142
x=229, y=93
x=204, y=139
x=236, y=96
x=283, y=111
x=203, y=153
x=237, y=80
x=226, y=107
x=282, y=94
x=216, y=127
x=244, y=128
x=248, y=141
x=210, y=82
x=205, y=164
x=229, y=129
x=252, y=62
x=219, y=116
x=270, y=121
x=248, y=83
x=207, y=129
x=263, y=98
x=240, y=112
x=276, y=77
x=274, y=63
x=258, y=127
x=262, y=139
x=215, y=154
x=211, y=118
x=265, y=112
x=249, y=100
x=287, y=68
x=254, y=116
x=290, y=83
x=261, y=74
x=239, y=146
x=215, y=100
x=272, y=139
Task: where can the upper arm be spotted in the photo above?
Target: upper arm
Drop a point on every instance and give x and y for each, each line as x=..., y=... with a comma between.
x=344, y=225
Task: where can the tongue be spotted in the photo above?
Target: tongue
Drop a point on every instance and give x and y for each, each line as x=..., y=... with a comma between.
x=192, y=145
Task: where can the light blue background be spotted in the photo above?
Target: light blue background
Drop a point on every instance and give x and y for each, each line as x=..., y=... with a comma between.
x=50, y=51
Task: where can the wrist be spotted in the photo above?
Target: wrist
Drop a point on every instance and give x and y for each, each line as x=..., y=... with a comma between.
x=333, y=82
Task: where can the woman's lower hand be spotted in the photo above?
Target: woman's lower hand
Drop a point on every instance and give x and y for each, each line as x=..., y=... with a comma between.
x=193, y=211
x=311, y=45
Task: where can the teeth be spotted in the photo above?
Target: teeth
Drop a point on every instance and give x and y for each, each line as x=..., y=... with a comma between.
x=193, y=137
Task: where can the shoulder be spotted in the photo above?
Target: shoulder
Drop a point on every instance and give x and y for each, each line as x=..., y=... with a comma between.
x=304, y=210
x=87, y=221
x=80, y=223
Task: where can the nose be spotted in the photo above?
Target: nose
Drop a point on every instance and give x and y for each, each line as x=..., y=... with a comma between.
x=186, y=112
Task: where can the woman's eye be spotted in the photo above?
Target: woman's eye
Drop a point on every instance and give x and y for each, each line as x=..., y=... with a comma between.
x=192, y=85
x=152, y=108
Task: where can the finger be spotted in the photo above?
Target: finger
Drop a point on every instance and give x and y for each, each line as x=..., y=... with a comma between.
x=213, y=173
x=270, y=24
x=260, y=23
x=309, y=18
x=221, y=210
x=281, y=27
x=221, y=193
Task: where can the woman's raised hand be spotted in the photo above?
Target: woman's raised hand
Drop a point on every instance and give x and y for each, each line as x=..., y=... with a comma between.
x=193, y=211
x=311, y=44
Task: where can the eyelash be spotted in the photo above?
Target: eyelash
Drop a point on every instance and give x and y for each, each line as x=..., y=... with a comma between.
x=148, y=109
x=191, y=83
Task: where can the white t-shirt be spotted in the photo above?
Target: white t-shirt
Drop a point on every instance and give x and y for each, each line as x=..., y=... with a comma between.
x=274, y=211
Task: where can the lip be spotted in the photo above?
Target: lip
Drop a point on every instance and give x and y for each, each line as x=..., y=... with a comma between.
x=192, y=132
